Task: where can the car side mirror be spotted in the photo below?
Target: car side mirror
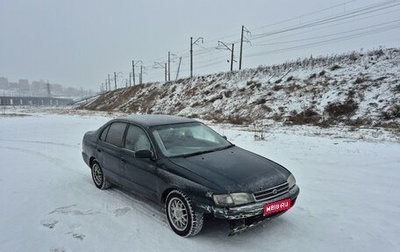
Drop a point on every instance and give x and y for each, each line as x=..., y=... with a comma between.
x=144, y=154
x=224, y=137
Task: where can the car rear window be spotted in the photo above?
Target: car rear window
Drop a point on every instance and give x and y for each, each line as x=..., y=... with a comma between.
x=104, y=133
x=115, y=134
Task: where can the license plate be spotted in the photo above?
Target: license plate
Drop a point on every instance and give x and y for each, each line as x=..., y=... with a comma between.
x=277, y=206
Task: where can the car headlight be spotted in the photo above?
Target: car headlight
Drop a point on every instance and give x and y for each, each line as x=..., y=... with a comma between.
x=291, y=181
x=233, y=199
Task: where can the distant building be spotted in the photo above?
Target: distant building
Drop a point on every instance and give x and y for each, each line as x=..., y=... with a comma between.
x=38, y=85
x=23, y=84
x=13, y=85
x=36, y=89
x=56, y=89
x=4, y=83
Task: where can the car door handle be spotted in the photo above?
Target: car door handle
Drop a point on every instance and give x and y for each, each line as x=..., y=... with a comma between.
x=98, y=150
x=123, y=160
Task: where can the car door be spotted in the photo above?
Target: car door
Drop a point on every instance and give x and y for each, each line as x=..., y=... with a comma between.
x=109, y=150
x=140, y=174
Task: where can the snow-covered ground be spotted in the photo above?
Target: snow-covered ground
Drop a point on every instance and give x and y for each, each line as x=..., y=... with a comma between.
x=348, y=201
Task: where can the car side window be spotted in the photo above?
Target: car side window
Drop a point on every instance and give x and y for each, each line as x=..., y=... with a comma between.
x=115, y=134
x=136, y=139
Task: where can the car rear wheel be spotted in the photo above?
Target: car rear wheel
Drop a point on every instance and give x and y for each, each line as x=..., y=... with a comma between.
x=98, y=177
x=182, y=217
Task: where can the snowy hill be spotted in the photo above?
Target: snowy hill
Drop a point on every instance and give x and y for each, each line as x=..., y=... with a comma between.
x=355, y=89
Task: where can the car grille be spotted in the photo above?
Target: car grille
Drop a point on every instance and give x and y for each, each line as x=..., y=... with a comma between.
x=272, y=192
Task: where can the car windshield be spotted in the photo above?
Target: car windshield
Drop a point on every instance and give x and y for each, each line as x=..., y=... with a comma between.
x=188, y=139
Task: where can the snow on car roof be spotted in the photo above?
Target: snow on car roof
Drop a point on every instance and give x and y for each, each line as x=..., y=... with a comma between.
x=154, y=120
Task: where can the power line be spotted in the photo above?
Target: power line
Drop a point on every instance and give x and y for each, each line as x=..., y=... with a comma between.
x=207, y=55
x=282, y=39
x=325, y=36
x=304, y=15
x=319, y=22
x=378, y=30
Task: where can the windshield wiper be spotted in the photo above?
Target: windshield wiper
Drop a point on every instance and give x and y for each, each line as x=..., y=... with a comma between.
x=196, y=153
x=206, y=151
x=226, y=147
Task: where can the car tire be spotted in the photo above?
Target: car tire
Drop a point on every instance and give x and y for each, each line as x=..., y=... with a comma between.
x=182, y=217
x=98, y=177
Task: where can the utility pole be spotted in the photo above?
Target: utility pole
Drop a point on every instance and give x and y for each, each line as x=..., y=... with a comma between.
x=232, y=57
x=241, y=45
x=165, y=68
x=169, y=67
x=133, y=71
x=141, y=74
x=115, y=80
x=241, y=49
x=109, y=83
x=106, y=85
x=191, y=57
x=220, y=43
x=179, y=67
x=130, y=79
x=191, y=53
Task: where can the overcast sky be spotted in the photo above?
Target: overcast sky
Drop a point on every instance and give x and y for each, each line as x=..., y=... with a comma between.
x=78, y=43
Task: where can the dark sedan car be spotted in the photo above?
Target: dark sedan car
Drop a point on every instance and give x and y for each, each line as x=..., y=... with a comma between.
x=190, y=169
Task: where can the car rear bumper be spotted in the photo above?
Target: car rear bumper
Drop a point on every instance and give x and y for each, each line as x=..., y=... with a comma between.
x=85, y=158
x=254, y=209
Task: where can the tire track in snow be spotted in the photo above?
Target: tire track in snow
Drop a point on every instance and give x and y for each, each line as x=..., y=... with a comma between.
x=69, y=210
x=138, y=205
x=130, y=200
x=41, y=142
x=53, y=160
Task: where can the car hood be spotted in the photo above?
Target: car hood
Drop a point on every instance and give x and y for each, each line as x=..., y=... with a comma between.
x=235, y=170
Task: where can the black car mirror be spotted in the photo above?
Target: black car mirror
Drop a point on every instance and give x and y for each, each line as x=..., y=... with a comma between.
x=144, y=154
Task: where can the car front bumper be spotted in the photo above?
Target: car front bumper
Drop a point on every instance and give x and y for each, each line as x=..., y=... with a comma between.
x=253, y=209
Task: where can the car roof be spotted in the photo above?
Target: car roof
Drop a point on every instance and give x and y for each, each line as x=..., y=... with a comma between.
x=155, y=120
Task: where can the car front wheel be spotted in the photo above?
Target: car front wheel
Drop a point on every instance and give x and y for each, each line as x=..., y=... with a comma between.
x=182, y=218
x=98, y=177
